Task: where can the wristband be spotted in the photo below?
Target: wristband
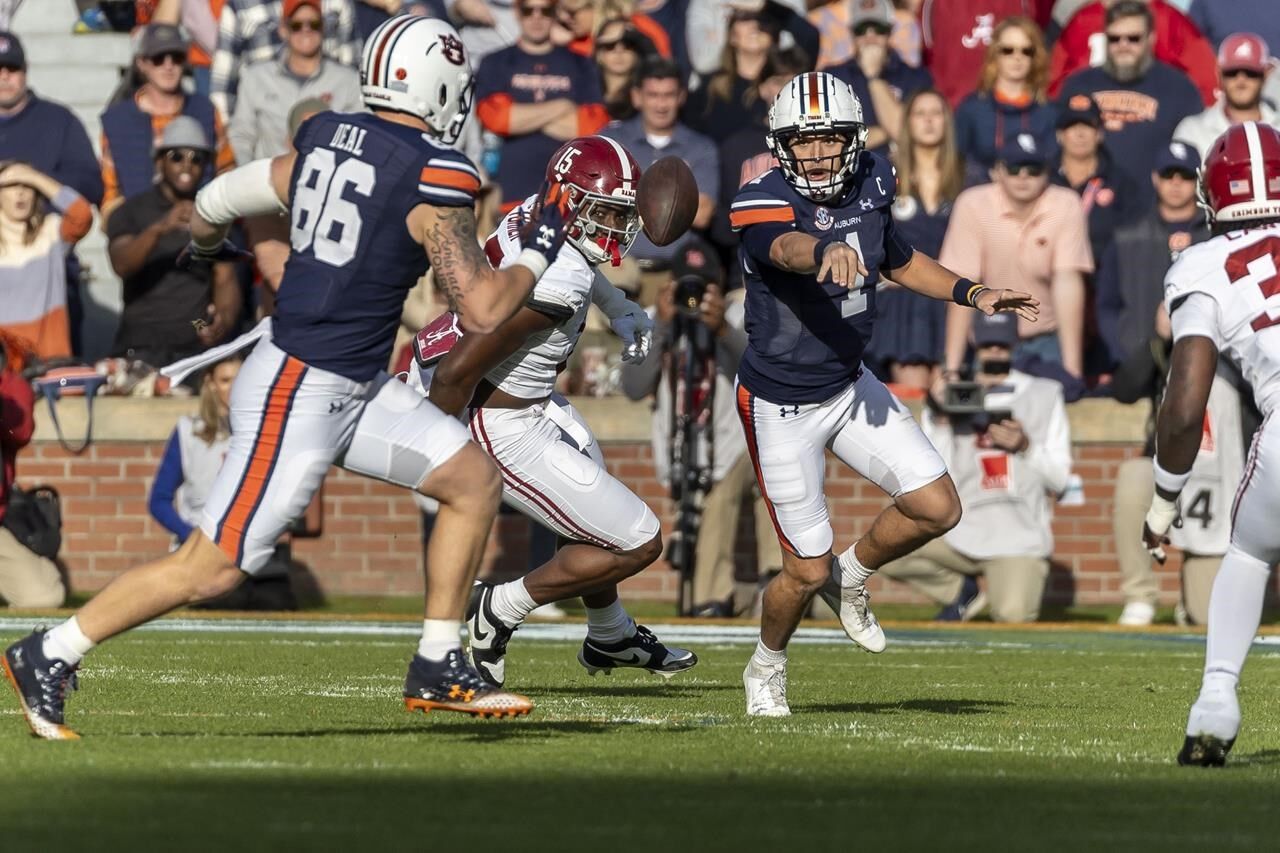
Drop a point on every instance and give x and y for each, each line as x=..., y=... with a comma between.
x=820, y=248
x=965, y=292
x=534, y=261
x=1161, y=515
x=1168, y=481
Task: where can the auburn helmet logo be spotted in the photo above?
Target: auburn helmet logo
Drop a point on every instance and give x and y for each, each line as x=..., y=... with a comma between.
x=451, y=46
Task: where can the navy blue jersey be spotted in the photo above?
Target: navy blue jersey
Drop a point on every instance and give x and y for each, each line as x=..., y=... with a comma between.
x=356, y=179
x=804, y=338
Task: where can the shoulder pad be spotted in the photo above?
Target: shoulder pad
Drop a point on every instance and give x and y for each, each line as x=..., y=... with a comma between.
x=761, y=200
x=1192, y=271
x=875, y=179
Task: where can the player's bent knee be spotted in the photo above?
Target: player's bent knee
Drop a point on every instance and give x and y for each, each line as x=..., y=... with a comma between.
x=812, y=543
x=468, y=482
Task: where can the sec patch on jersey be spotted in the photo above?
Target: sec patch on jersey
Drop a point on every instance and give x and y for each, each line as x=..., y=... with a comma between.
x=668, y=200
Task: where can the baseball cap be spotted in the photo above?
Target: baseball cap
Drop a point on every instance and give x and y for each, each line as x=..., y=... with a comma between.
x=1022, y=150
x=291, y=6
x=158, y=39
x=997, y=330
x=1079, y=109
x=1177, y=155
x=696, y=259
x=871, y=11
x=183, y=132
x=11, y=53
x=1244, y=52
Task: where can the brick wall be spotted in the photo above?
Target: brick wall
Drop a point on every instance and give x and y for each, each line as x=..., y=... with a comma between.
x=371, y=538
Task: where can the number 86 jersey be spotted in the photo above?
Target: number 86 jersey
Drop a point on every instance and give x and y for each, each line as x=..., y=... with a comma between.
x=1228, y=290
x=355, y=181
x=805, y=338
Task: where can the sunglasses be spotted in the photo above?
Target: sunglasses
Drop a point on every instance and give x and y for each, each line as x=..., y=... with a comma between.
x=174, y=56
x=1030, y=170
x=606, y=46
x=1127, y=39
x=13, y=69
x=871, y=27
x=188, y=156
x=537, y=12
x=1173, y=172
x=1242, y=72
x=1006, y=50
x=298, y=26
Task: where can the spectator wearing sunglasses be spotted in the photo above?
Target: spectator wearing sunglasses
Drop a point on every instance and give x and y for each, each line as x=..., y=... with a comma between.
x=878, y=75
x=169, y=313
x=1086, y=41
x=132, y=127
x=1021, y=233
x=1010, y=99
x=619, y=51
x=300, y=70
x=1141, y=98
x=1244, y=64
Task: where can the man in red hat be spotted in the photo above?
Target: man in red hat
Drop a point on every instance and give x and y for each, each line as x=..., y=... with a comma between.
x=1244, y=64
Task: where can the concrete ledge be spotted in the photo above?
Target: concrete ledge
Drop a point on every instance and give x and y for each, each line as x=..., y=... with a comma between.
x=615, y=420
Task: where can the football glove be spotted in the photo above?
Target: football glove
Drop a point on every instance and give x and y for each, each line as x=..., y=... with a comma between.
x=635, y=327
x=192, y=254
x=556, y=212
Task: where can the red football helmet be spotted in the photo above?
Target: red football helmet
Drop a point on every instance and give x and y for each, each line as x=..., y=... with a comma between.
x=602, y=177
x=1240, y=178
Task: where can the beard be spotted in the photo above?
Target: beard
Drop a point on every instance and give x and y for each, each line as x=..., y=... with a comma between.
x=1129, y=73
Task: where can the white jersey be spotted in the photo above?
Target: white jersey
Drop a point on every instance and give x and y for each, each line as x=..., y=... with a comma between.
x=1239, y=272
x=563, y=292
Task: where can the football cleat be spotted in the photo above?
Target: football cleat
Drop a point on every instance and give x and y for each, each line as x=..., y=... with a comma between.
x=968, y=604
x=1204, y=751
x=487, y=636
x=1211, y=728
x=644, y=650
x=41, y=684
x=766, y=690
x=452, y=685
x=853, y=605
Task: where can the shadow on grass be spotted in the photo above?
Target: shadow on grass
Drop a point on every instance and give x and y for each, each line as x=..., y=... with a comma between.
x=645, y=689
x=958, y=707
x=476, y=731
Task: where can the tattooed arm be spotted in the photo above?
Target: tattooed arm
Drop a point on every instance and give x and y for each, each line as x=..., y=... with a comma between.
x=482, y=296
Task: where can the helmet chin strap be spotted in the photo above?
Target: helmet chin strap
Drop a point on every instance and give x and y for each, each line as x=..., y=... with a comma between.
x=610, y=247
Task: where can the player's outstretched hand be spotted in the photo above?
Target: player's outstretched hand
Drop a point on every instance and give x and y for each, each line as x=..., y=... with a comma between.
x=841, y=263
x=636, y=330
x=556, y=212
x=993, y=300
x=192, y=254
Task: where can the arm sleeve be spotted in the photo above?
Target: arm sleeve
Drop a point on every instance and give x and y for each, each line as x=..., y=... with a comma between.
x=641, y=380
x=169, y=478
x=77, y=216
x=1195, y=314
x=897, y=251
x=448, y=182
x=758, y=239
x=1050, y=454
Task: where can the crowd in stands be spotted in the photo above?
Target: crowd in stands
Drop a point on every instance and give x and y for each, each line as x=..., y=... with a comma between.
x=1045, y=146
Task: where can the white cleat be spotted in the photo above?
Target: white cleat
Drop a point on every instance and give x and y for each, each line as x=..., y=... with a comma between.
x=853, y=605
x=1138, y=614
x=1217, y=713
x=766, y=690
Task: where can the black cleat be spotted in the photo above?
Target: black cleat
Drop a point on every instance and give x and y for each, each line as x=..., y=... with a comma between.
x=487, y=636
x=41, y=684
x=1204, y=750
x=452, y=685
x=644, y=650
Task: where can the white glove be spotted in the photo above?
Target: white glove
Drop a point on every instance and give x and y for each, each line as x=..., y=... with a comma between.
x=635, y=327
x=1160, y=517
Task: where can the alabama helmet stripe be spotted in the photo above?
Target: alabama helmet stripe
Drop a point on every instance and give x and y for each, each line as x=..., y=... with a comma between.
x=1257, y=163
x=623, y=160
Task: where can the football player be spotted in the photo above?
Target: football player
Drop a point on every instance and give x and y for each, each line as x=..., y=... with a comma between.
x=374, y=198
x=1223, y=296
x=552, y=467
x=816, y=232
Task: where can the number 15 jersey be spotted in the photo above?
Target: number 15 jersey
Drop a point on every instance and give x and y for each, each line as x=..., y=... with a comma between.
x=1228, y=290
x=805, y=339
x=355, y=181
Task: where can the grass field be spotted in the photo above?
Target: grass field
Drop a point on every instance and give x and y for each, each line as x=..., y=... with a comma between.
x=293, y=737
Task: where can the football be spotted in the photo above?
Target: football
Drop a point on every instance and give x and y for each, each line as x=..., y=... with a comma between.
x=667, y=199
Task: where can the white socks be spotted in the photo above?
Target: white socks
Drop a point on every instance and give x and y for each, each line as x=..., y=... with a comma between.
x=439, y=637
x=849, y=572
x=1235, y=610
x=67, y=642
x=610, y=624
x=512, y=603
x=766, y=657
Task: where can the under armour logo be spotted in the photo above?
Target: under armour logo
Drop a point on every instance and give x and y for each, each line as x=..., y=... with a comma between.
x=546, y=235
x=783, y=411
x=335, y=406
x=866, y=204
x=1027, y=143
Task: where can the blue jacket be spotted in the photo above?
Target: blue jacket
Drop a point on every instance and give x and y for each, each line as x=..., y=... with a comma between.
x=130, y=137
x=49, y=137
x=984, y=124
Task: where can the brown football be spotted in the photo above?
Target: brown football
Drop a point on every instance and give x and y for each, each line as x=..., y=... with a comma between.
x=667, y=199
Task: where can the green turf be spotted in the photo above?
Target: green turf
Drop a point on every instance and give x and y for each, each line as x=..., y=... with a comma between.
x=951, y=740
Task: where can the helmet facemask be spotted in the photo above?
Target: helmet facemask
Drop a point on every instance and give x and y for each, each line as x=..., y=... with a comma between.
x=839, y=167
x=604, y=227
x=454, y=124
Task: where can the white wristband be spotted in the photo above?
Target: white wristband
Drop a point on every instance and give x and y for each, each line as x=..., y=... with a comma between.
x=1168, y=481
x=533, y=261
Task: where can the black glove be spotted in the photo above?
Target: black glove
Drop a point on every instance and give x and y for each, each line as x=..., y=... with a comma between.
x=192, y=254
x=556, y=213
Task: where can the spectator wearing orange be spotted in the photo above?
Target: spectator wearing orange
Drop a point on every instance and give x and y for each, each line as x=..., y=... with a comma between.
x=578, y=21
x=1141, y=98
x=132, y=127
x=40, y=221
x=1244, y=64
x=1085, y=42
x=1019, y=232
x=1010, y=99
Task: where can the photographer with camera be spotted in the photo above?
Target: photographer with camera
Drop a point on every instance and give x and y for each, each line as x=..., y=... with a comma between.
x=27, y=579
x=1007, y=443
x=698, y=444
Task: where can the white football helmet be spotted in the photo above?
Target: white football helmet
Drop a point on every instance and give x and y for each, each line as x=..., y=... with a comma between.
x=418, y=66
x=811, y=104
